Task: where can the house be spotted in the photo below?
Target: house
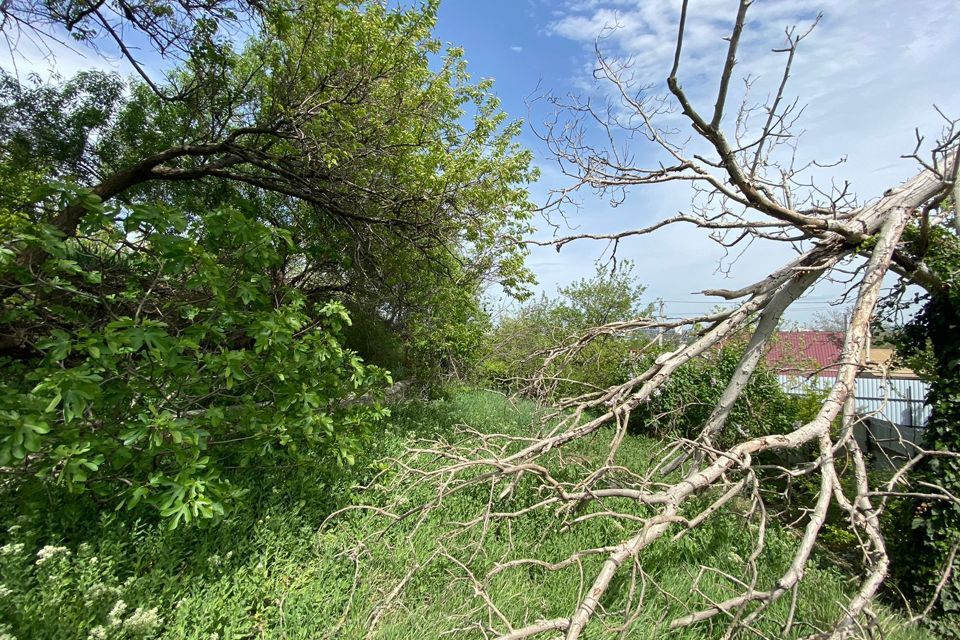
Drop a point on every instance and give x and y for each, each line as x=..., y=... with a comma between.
x=889, y=400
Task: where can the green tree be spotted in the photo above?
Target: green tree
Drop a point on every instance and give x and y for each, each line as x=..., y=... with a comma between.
x=177, y=257
x=609, y=296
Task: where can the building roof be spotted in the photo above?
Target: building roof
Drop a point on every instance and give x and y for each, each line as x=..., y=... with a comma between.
x=806, y=352
x=819, y=353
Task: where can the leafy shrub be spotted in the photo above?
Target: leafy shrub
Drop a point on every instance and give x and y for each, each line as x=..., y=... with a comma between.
x=685, y=401
x=163, y=351
x=518, y=344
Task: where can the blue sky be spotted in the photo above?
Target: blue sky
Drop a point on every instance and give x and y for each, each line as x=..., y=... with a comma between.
x=869, y=74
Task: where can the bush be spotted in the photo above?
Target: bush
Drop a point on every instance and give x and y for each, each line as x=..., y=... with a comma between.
x=516, y=346
x=163, y=352
x=686, y=400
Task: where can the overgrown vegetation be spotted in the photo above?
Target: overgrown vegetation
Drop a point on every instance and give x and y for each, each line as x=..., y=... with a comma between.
x=277, y=569
x=521, y=343
x=929, y=342
x=189, y=364
x=176, y=273
x=211, y=275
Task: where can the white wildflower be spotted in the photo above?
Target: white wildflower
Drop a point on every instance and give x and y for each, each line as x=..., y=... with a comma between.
x=97, y=633
x=51, y=551
x=98, y=591
x=5, y=632
x=116, y=614
x=142, y=621
x=11, y=549
x=5, y=591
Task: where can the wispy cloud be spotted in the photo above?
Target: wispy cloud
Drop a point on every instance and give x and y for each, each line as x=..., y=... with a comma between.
x=869, y=74
x=517, y=48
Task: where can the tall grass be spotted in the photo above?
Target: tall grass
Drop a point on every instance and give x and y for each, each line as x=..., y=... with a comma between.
x=271, y=571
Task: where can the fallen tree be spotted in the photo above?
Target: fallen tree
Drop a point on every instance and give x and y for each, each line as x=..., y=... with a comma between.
x=747, y=188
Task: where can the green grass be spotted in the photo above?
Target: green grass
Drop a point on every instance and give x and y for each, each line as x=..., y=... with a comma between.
x=271, y=571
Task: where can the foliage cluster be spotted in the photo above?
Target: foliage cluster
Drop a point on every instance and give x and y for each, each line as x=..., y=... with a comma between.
x=520, y=342
x=169, y=355
x=687, y=399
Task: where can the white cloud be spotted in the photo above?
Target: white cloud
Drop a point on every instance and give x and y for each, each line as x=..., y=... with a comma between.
x=516, y=48
x=26, y=53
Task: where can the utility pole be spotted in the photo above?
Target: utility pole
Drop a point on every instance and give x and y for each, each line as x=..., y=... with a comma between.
x=660, y=318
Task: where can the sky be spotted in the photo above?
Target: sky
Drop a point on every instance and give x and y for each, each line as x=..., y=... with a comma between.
x=869, y=75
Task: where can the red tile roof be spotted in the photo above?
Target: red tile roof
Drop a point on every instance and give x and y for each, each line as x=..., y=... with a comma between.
x=806, y=352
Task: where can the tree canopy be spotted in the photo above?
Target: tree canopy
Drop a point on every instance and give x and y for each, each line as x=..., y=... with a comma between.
x=179, y=251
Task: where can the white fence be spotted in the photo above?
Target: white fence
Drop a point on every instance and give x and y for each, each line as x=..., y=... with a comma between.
x=899, y=401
